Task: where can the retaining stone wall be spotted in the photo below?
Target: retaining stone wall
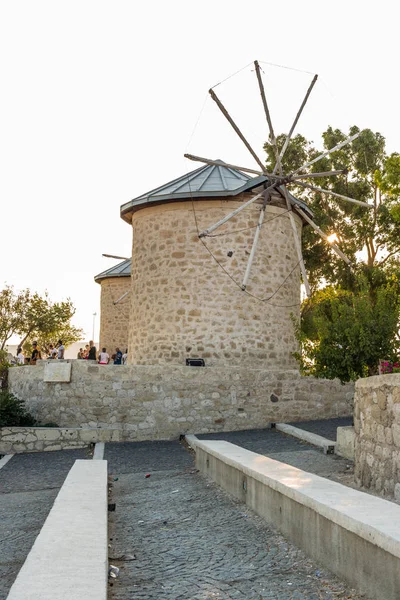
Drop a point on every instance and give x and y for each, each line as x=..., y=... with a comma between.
x=37, y=439
x=377, y=429
x=162, y=402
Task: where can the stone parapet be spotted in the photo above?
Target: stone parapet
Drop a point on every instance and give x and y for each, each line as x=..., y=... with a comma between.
x=14, y=440
x=355, y=535
x=377, y=433
x=163, y=402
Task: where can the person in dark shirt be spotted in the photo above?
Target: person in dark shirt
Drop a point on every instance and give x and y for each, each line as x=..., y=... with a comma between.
x=92, y=351
x=36, y=355
x=118, y=357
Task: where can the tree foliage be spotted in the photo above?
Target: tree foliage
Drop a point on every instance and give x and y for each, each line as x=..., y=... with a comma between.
x=373, y=177
x=13, y=412
x=345, y=333
x=35, y=317
x=352, y=318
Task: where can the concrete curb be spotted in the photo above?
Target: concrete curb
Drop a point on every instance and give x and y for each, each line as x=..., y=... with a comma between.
x=355, y=535
x=69, y=558
x=98, y=453
x=345, y=442
x=328, y=446
x=5, y=459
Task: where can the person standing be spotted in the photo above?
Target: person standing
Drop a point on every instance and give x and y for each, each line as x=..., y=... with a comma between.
x=104, y=358
x=36, y=354
x=125, y=357
x=92, y=351
x=52, y=352
x=61, y=350
x=118, y=357
x=20, y=357
x=80, y=354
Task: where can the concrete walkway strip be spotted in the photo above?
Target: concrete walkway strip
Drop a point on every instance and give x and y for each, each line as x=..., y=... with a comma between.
x=98, y=453
x=356, y=535
x=69, y=556
x=312, y=438
x=5, y=459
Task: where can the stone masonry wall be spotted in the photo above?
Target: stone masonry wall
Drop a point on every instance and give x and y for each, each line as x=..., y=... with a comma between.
x=39, y=439
x=162, y=402
x=377, y=429
x=185, y=305
x=114, y=318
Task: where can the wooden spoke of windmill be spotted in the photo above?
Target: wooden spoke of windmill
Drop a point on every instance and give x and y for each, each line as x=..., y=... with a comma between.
x=278, y=180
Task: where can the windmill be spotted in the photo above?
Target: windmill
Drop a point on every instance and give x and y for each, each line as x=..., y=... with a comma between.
x=278, y=181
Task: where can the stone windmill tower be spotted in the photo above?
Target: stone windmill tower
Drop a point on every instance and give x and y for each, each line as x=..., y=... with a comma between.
x=115, y=305
x=183, y=303
x=217, y=262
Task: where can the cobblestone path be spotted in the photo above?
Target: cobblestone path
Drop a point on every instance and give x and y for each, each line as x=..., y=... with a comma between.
x=29, y=484
x=194, y=542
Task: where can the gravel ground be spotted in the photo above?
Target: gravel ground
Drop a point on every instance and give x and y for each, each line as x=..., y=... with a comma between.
x=192, y=541
x=29, y=484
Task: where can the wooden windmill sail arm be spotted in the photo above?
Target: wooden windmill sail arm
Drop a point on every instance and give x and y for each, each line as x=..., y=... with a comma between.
x=122, y=297
x=236, y=128
x=253, y=248
x=289, y=135
x=324, y=174
x=208, y=161
x=268, y=115
x=232, y=214
x=297, y=240
x=323, y=235
x=317, y=189
x=320, y=156
x=297, y=243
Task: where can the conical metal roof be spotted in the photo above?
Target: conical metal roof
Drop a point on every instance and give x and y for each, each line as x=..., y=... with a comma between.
x=122, y=269
x=210, y=181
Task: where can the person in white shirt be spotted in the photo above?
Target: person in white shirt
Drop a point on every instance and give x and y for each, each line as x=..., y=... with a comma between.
x=104, y=358
x=125, y=357
x=61, y=350
x=52, y=352
x=20, y=357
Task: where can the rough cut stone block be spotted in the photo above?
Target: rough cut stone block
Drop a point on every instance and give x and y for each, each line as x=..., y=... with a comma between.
x=55, y=371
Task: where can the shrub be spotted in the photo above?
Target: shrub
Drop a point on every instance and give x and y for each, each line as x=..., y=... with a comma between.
x=4, y=365
x=13, y=412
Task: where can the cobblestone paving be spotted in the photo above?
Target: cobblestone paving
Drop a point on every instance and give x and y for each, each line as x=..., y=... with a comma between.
x=194, y=542
x=29, y=484
x=327, y=427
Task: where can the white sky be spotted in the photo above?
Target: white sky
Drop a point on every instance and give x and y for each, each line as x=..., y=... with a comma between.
x=99, y=100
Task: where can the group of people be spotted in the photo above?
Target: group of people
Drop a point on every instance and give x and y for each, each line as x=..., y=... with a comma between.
x=55, y=352
x=89, y=353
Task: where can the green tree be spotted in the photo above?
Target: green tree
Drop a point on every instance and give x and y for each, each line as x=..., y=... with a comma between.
x=33, y=316
x=352, y=318
x=345, y=333
x=12, y=313
x=372, y=177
